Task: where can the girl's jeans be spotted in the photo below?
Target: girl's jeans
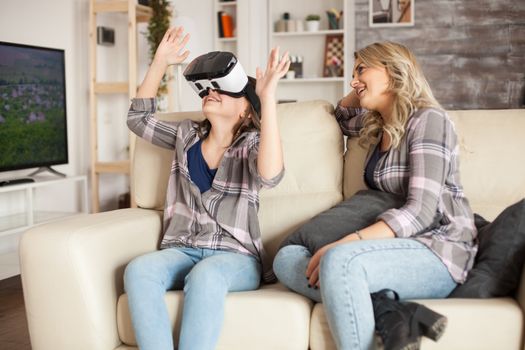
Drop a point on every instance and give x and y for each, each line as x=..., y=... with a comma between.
x=206, y=275
x=350, y=272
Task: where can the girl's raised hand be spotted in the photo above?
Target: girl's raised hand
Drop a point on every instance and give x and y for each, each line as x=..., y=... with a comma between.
x=275, y=70
x=168, y=51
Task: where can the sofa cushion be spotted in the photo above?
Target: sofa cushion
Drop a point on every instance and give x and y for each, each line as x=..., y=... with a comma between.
x=488, y=142
x=285, y=312
x=498, y=265
x=499, y=321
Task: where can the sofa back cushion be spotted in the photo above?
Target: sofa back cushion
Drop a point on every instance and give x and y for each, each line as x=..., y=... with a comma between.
x=491, y=151
x=313, y=156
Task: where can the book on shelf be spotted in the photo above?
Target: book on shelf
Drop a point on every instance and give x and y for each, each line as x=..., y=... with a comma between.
x=227, y=25
x=219, y=24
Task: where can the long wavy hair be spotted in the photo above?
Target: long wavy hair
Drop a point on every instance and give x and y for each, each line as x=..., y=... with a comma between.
x=248, y=124
x=408, y=85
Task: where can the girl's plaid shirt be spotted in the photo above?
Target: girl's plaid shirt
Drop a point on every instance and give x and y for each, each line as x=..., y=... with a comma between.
x=225, y=216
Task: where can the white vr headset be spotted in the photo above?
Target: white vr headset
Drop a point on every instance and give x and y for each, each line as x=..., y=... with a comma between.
x=221, y=71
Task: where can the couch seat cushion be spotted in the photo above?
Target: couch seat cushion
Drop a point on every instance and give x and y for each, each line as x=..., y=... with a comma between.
x=472, y=324
x=270, y=318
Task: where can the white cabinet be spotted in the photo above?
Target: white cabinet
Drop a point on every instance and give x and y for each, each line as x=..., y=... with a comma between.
x=29, y=204
x=309, y=46
x=31, y=213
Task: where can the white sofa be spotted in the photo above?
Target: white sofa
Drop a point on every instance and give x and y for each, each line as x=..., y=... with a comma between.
x=72, y=269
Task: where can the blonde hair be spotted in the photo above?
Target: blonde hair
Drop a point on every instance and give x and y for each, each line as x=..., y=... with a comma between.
x=408, y=85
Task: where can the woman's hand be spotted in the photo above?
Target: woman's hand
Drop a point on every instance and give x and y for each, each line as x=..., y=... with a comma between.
x=270, y=159
x=351, y=100
x=312, y=271
x=275, y=70
x=168, y=51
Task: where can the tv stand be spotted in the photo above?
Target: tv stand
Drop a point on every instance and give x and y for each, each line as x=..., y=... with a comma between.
x=47, y=168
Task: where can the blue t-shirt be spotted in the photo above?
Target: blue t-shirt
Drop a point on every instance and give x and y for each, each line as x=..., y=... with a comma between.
x=200, y=172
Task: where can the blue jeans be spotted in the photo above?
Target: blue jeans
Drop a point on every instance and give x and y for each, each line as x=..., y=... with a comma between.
x=206, y=275
x=350, y=272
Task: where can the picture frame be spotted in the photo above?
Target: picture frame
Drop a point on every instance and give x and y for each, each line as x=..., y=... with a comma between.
x=333, y=65
x=391, y=13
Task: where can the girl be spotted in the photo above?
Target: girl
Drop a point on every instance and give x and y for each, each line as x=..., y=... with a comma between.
x=211, y=243
x=420, y=249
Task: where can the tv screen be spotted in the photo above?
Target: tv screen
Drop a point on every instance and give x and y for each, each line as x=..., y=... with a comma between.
x=33, y=129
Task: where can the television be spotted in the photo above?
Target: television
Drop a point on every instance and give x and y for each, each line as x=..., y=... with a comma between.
x=33, y=119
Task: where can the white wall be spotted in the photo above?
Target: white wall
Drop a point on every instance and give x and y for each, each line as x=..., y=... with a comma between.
x=58, y=24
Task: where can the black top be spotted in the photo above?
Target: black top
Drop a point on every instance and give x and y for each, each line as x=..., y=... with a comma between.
x=370, y=167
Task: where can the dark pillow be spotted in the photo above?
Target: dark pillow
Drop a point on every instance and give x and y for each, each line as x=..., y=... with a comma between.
x=497, y=268
x=355, y=213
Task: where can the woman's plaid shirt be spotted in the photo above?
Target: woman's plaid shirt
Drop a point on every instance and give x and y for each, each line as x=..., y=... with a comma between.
x=425, y=170
x=225, y=216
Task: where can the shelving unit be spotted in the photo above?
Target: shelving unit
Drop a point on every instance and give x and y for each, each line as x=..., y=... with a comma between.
x=305, y=33
x=220, y=43
x=135, y=14
x=311, y=46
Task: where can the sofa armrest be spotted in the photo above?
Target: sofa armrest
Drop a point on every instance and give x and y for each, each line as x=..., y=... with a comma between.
x=72, y=275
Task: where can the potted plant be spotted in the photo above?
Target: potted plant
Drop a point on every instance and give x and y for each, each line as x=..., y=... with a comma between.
x=157, y=26
x=312, y=23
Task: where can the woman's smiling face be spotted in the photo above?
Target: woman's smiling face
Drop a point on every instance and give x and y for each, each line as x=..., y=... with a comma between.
x=372, y=87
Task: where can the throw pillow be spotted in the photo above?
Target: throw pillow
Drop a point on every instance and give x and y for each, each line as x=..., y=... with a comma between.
x=355, y=213
x=501, y=254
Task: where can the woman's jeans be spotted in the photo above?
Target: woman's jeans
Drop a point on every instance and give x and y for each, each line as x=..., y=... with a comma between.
x=350, y=272
x=206, y=276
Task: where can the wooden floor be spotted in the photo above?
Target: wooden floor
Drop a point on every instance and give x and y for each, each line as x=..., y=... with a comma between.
x=13, y=324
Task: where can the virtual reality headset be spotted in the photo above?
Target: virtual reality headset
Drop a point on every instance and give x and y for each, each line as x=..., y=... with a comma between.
x=221, y=71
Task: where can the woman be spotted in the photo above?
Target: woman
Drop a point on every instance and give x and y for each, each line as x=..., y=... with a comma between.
x=421, y=249
x=211, y=243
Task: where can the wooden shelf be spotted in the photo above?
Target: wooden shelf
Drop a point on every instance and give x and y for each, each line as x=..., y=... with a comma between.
x=118, y=167
x=226, y=3
x=313, y=80
x=111, y=88
x=305, y=33
x=143, y=13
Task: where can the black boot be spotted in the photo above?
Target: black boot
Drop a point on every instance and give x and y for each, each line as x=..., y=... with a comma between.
x=393, y=322
x=401, y=324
